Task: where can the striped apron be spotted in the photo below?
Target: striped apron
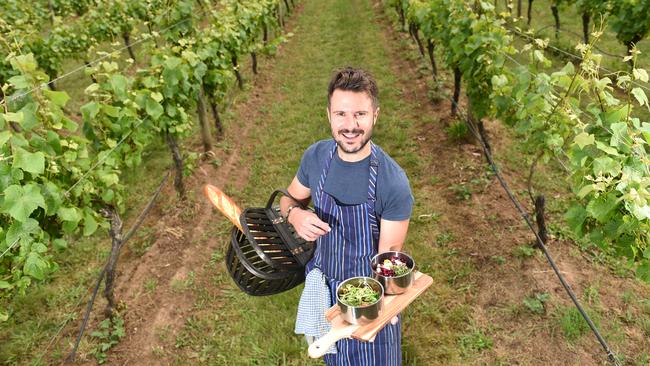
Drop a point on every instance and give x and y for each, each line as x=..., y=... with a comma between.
x=346, y=252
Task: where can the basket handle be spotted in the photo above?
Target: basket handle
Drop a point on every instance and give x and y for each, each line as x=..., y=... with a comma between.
x=269, y=204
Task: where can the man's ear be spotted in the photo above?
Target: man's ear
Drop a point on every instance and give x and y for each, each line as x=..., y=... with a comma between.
x=327, y=112
x=376, y=116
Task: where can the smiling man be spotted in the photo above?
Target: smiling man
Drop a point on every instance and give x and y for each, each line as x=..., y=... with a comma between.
x=362, y=203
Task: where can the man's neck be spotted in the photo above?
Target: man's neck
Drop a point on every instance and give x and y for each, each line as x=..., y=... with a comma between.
x=354, y=157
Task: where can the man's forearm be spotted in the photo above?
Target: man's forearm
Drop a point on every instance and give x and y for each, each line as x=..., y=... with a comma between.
x=392, y=235
x=389, y=247
x=286, y=202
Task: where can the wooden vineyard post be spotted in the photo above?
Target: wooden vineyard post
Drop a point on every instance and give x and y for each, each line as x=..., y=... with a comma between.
x=178, y=164
x=457, y=79
x=203, y=122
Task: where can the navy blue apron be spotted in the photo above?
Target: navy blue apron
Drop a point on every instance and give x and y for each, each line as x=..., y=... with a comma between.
x=346, y=252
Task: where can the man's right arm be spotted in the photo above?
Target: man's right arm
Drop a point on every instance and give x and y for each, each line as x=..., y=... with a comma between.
x=306, y=223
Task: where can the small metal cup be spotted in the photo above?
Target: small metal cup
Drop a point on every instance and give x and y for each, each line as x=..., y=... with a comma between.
x=394, y=285
x=360, y=314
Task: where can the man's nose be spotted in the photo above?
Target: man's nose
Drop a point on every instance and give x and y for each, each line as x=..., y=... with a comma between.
x=351, y=121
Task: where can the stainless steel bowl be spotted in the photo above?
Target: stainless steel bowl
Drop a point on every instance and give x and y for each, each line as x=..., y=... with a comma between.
x=394, y=285
x=360, y=314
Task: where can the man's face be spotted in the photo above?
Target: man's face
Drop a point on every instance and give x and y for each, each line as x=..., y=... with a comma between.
x=352, y=118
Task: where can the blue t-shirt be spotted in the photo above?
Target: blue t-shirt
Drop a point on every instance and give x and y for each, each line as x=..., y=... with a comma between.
x=347, y=181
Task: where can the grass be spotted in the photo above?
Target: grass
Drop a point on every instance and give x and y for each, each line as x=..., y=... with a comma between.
x=457, y=131
x=572, y=324
x=474, y=342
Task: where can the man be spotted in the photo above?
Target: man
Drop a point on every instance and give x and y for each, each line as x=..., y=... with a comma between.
x=362, y=202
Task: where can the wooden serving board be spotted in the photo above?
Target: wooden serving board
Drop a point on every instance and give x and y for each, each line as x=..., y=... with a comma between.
x=393, y=305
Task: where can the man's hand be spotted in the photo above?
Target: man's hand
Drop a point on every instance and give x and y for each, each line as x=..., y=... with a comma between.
x=308, y=226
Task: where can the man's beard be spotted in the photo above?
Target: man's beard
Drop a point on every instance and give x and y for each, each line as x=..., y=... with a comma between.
x=351, y=149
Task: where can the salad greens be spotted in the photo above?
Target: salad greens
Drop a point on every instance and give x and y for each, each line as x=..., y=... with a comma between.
x=392, y=267
x=358, y=295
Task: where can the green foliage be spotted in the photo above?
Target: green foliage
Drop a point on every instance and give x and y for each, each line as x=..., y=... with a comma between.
x=56, y=176
x=457, y=131
x=629, y=19
x=524, y=251
x=536, y=303
x=572, y=115
x=108, y=335
x=572, y=324
x=474, y=342
x=462, y=191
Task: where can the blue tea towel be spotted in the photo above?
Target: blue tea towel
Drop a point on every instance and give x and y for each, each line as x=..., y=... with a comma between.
x=315, y=300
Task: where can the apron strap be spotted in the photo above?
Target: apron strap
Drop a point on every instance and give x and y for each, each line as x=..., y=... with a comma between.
x=372, y=191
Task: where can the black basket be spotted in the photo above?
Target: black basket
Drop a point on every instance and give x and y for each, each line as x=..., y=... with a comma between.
x=268, y=257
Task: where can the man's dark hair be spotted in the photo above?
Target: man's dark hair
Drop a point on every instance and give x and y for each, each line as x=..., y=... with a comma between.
x=356, y=80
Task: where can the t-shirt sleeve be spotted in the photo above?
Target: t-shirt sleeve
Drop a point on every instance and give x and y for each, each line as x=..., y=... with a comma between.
x=398, y=205
x=306, y=163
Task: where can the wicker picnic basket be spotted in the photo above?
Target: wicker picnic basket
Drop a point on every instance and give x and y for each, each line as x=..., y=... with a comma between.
x=267, y=257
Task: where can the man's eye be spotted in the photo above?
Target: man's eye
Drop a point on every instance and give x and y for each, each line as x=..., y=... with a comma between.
x=360, y=114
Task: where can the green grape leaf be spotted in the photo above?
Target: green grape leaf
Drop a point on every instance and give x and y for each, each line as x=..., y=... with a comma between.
x=110, y=110
x=640, y=96
x=20, y=202
x=584, y=139
x=89, y=111
x=619, y=134
x=606, y=165
x=69, y=124
x=29, y=162
x=71, y=214
x=90, y=225
x=575, y=217
x=157, y=97
x=35, y=266
x=19, y=81
x=153, y=108
x=607, y=149
x=59, y=98
x=4, y=316
x=109, y=179
x=640, y=74
x=584, y=191
x=59, y=244
x=602, y=207
x=14, y=117
x=53, y=197
x=119, y=84
x=4, y=285
x=30, y=119
x=108, y=196
x=39, y=248
x=22, y=231
x=641, y=212
x=4, y=137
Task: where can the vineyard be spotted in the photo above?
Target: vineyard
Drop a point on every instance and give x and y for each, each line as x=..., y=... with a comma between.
x=524, y=129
